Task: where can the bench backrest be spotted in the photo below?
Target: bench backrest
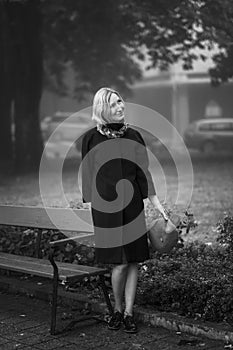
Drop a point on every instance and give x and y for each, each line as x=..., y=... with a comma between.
x=65, y=219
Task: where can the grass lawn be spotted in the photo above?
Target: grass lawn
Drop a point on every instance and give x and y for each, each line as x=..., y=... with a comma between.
x=212, y=190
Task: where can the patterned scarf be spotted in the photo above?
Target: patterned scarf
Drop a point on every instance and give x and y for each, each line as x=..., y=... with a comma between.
x=108, y=131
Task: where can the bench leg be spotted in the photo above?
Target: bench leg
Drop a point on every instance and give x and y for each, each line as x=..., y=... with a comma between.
x=54, y=303
x=54, y=296
x=106, y=296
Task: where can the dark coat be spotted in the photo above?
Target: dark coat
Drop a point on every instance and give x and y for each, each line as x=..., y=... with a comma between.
x=119, y=221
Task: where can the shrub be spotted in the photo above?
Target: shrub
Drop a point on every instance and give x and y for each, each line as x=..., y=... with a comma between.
x=225, y=232
x=22, y=241
x=195, y=281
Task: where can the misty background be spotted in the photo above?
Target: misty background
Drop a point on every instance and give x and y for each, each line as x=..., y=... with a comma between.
x=171, y=57
x=55, y=54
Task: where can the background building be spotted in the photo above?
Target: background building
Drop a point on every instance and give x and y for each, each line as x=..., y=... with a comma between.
x=180, y=96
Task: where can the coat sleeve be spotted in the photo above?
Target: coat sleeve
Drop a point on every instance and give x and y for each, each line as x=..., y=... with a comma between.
x=86, y=170
x=143, y=175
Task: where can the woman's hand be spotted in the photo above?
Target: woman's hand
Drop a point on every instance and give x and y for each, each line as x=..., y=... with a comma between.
x=155, y=201
x=165, y=217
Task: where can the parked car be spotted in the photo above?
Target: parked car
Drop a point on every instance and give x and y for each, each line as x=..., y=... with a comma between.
x=64, y=132
x=44, y=126
x=210, y=135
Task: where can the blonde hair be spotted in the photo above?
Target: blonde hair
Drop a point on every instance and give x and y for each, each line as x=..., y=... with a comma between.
x=101, y=106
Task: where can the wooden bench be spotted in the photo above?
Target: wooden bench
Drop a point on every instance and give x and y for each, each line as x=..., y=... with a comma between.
x=70, y=221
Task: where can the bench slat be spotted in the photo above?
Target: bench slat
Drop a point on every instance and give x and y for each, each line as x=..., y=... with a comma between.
x=78, y=238
x=65, y=219
x=67, y=272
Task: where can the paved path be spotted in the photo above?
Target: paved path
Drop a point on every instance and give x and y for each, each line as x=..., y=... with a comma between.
x=24, y=324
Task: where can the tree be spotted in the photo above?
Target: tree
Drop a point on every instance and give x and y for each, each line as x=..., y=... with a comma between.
x=174, y=29
x=6, y=149
x=100, y=40
x=95, y=44
x=217, y=20
x=28, y=84
x=21, y=69
x=107, y=36
x=35, y=31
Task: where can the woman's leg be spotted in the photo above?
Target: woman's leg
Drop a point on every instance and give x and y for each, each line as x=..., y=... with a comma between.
x=130, y=287
x=119, y=274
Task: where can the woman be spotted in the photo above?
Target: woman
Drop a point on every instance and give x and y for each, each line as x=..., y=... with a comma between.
x=113, y=152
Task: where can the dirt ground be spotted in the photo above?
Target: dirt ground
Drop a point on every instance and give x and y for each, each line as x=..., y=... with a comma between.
x=212, y=193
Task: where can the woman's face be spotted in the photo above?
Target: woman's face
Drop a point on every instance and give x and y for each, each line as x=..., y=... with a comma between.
x=117, y=108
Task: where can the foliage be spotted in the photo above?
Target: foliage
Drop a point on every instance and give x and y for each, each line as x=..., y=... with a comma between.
x=165, y=31
x=190, y=282
x=216, y=21
x=22, y=241
x=225, y=232
x=99, y=57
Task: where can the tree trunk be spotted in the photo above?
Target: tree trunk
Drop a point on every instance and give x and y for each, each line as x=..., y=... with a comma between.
x=6, y=149
x=28, y=73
